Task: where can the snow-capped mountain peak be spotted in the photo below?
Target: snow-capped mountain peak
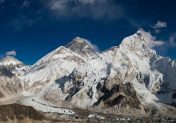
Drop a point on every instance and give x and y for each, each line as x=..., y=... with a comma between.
x=138, y=44
x=59, y=53
x=79, y=39
x=9, y=60
x=83, y=47
x=54, y=65
x=135, y=41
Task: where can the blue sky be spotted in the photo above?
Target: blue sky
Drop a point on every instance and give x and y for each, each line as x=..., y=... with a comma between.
x=29, y=29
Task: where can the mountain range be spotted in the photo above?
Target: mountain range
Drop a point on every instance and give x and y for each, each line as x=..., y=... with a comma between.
x=126, y=80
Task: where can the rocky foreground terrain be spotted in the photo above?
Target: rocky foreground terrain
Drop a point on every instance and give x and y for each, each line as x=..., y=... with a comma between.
x=75, y=83
x=16, y=113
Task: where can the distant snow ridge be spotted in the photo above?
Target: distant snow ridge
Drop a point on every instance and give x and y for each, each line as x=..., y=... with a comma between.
x=9, y=60
x=10, y=70
x=16, y=66
x=130, y=75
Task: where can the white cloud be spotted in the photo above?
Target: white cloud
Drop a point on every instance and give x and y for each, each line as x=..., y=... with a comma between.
x=93, y=46
x=160, y=24
x=168, y=45
x=92, y=9
x=172, y=40
x=22, y=21
x=87, y=1
x=2, y=1
x=25, y=4
x=11, y=53
x=151, y=40
x=162, y=47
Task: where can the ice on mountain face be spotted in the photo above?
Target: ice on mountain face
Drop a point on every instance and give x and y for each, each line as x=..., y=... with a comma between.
x=87, y=74
x=54, y=65
x=83, y=48
x=16, y=66
x=131, y=54
x=10, y=84
x=91, y=83
x=167, y=88
x=135, y=58
x=133, y=61
x=10, y=71
x=9, y=60
x=59, y=53
x=90, y=74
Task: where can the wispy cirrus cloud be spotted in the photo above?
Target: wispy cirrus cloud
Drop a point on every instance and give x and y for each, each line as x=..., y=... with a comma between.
x=24, y=14
x=91, y=9
x=159, y=26
x=25, y=4
x=8, y=53
x=21, y=22
x=11, y=53
x=151, y=40
x=2, y=1
x=172, y=40
x=163, y=47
